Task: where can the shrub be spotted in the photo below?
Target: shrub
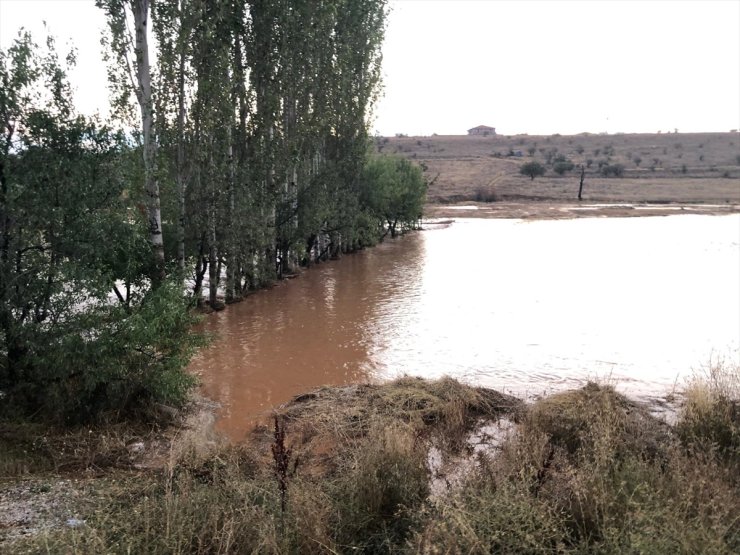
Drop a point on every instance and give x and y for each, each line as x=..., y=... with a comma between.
x=562, y=166
x=710, y=416
x=532, y=169
x=615, y=170
x=485, y=194
x=135, y=358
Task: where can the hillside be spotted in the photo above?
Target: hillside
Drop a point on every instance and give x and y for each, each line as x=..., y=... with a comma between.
x=681, y=168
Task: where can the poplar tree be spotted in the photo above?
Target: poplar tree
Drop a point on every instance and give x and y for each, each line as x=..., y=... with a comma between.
x=125, y=47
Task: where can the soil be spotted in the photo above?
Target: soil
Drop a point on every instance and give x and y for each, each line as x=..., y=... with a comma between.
x=37, y=502
x=568, y=210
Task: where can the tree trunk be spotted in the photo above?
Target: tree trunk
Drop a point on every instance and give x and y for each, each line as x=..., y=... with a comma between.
x=231, y=262
x=181, y=163
x=144, y=96
x=580, y=188
x=213, y=276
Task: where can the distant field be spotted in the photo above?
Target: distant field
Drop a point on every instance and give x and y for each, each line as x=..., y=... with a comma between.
x=699, y=168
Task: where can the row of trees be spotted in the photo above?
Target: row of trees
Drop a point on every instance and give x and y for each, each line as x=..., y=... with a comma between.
x=242, y=153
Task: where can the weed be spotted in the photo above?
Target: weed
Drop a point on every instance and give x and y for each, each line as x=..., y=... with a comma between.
x=587, y=471
x=710, y=416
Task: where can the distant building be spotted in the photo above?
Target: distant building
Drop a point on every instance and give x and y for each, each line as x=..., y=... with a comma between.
x=483, y=130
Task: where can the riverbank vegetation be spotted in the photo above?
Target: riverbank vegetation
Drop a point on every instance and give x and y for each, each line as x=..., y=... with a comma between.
x=236, y=157
x=357, y=469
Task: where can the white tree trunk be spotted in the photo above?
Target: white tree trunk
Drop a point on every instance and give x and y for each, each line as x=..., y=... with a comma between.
x=140, y=9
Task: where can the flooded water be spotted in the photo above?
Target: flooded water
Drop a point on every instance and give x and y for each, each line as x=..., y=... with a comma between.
x=523, y=306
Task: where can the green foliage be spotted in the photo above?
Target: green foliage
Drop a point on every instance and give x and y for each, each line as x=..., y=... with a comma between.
x=393, y=192
x=81, y=334
x=611, y=170
x=562, y=166
x=532, y=169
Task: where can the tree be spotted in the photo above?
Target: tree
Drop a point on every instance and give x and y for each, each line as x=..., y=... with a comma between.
x=532, y=169
x=124, y=46
x=562, y=166
x=81, y=331
x=393, y=192
x=261, y=130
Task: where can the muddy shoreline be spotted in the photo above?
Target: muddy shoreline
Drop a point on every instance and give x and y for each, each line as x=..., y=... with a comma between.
x=568, y=210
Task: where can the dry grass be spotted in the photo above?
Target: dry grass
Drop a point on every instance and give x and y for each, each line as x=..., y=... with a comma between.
x=588, y=471
x=710, y=417
x=659, y=168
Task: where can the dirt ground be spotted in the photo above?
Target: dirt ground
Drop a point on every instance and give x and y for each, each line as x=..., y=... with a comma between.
x=541, y=210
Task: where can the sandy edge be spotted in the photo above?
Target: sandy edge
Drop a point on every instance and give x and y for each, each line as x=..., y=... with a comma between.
x=563, y=210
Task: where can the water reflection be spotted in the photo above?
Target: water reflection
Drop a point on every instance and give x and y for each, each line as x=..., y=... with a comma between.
x=522, y=306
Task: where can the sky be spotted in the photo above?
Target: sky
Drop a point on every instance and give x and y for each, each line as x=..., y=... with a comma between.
x=526, y=66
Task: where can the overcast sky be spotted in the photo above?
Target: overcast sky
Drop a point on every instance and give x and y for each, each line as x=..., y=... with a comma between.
x=526, y=66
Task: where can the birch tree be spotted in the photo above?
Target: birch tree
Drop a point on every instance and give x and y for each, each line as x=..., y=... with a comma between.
x=125, y=47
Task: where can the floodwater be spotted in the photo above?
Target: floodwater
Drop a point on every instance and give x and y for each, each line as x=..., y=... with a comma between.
x=523, y=306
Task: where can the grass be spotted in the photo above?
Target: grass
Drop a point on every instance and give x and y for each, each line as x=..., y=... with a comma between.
x=587, y=471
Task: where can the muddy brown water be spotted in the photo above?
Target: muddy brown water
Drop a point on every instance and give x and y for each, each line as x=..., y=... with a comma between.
x=523, y=306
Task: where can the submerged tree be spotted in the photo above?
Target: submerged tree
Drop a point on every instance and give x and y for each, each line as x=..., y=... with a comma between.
x=394, y=190
x=261, y=120
x=243, y=154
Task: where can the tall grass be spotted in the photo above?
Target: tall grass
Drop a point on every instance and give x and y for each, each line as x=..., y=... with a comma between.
x=588, y=471
x=710, y=419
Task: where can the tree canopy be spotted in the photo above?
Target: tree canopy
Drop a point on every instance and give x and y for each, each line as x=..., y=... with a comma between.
x=237, y=154
x=532, y=169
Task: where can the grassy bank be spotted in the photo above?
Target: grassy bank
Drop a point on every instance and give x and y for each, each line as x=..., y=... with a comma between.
x=347, y=470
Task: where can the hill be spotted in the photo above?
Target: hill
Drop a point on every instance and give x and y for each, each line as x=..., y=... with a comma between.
x=680, y=168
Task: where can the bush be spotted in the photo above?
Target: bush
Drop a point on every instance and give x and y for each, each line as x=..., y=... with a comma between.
x=485, y=194
x=118, y=361
x=710, y=416
x=532, y=169
x=562, y=166
x=615, y=170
